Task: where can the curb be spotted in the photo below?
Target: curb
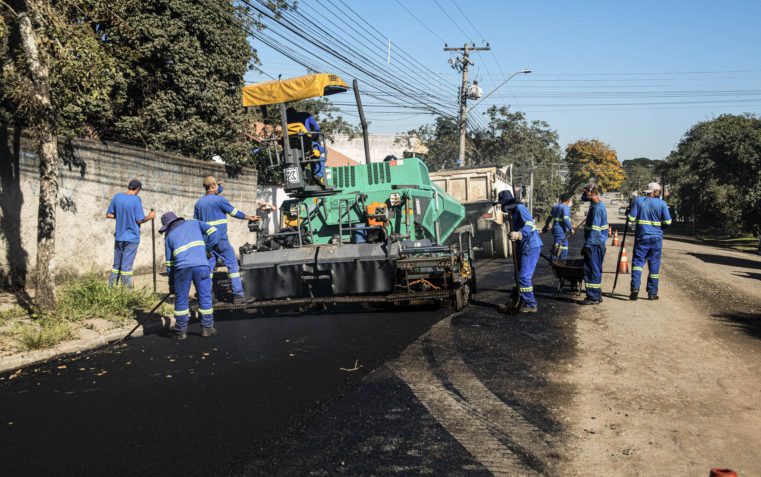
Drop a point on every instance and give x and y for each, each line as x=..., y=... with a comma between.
x=65, y=348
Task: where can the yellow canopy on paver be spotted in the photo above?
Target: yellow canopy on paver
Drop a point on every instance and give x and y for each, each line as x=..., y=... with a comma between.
x=293, y=89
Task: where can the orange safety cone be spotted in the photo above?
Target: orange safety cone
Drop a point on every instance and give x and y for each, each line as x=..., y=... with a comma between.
x=623, y=264
x=615, y=243
x=610, y=231
x=723, y=473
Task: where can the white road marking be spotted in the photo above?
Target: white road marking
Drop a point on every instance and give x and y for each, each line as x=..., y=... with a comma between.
x=475, y=422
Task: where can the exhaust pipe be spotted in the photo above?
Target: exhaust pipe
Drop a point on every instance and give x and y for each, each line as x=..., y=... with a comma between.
x=362, y=121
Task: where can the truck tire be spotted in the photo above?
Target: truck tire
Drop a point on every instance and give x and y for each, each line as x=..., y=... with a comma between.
x=487, y=247
x=501, y=242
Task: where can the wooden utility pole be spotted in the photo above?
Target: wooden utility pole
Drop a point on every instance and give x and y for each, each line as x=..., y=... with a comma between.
x=461, y=64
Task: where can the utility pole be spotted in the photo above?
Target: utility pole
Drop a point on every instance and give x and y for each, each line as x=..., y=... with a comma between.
x=531, y=189
x=461, y=64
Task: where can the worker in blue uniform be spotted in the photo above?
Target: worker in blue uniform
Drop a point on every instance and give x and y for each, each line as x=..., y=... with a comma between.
x=650, y=215
x=562, y=227
x=213, y=209
x=186, y=244
x=526, y=236
x=595, y=235
x=303, y=122
x=127, y=210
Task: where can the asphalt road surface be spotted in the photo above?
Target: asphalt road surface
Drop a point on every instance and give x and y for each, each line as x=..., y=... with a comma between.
x=267, y=396
x=155, y=406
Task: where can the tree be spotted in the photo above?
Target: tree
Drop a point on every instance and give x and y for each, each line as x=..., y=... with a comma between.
x=442, y=141
x=166, y=73
x=509, y=139
x=639, y=172
x=593, y=160
x=715, y=174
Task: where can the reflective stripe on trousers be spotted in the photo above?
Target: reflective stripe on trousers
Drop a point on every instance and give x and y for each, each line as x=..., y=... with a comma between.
x=124, y=259
x=529, y=258
x=593, y=270
x=199, y=277
x=647, y=250
x=224, y=251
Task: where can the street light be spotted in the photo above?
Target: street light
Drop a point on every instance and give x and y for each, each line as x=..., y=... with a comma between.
x=524, y=72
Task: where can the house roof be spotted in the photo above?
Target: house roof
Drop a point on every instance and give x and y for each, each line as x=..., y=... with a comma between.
x=336, y=159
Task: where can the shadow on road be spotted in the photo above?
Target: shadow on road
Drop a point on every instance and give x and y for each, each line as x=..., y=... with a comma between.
x=753, y=276
x=749, y=323
x=725, y=260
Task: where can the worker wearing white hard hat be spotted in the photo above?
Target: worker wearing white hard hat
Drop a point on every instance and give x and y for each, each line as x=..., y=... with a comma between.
x=650, y=215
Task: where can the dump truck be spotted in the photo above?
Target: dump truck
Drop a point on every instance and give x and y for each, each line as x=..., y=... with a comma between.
x=477, y=188
x=372, y=233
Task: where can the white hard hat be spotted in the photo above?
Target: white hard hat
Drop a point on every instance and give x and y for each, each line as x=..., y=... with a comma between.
x=652, y=187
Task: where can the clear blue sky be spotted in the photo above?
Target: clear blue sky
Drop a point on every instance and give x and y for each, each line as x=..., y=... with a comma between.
x=636, y=75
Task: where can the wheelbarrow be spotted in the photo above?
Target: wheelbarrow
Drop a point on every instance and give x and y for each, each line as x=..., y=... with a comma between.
x=569, y=270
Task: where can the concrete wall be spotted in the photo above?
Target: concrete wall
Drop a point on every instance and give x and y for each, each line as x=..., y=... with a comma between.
x=97, y=171
x=381, y=145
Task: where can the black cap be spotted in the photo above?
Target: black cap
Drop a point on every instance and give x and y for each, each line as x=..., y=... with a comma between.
x=168, y=219
x=134, y=184
x=507, y=200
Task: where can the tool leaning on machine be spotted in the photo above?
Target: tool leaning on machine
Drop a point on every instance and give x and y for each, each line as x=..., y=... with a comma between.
x=377, y=232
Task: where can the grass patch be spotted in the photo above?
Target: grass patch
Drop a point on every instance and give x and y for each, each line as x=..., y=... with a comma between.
x=11, y=315
x=79, y=299
x=90, y=297
x=43, y=332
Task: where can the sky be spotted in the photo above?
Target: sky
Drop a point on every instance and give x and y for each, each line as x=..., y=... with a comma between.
x=636, y=75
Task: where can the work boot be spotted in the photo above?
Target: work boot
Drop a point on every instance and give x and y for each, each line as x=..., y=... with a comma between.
x=591, y=301
x=207, y=332
x=180, y=335
x=653, y=297
x=239, y=300
x=634, y=295
x=507, y=308
x=529, y=309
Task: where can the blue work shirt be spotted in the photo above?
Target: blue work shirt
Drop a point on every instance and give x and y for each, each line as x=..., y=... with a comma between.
x=561, y=220
x=186, y=244
x=128, y=210
x=650, y=214
x=214, y=209
x=596, y=228
x=523, y=222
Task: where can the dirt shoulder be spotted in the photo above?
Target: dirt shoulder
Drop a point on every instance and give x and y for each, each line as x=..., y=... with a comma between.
x=671, y=387
x=82, y=335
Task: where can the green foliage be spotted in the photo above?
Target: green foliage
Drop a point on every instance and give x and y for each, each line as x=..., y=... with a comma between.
x=639, y=173
x=45, y=332
x=90, y=297
x=715, y=174
x=80, y=299
x=165, y=74
x=442, y=141
x=509, y=139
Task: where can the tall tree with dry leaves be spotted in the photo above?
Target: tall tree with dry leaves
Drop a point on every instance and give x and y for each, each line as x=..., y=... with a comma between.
x=593, y=160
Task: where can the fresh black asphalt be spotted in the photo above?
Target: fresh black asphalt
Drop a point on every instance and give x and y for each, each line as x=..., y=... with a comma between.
x=267, y=396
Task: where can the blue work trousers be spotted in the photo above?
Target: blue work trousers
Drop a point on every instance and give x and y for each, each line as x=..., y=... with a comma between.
x=560, y=249
x=319, y=167
x=593, y=258
x=199, y=277
x=225, y=252
x=529, y=258
x=124, y=259
x=647, y=250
